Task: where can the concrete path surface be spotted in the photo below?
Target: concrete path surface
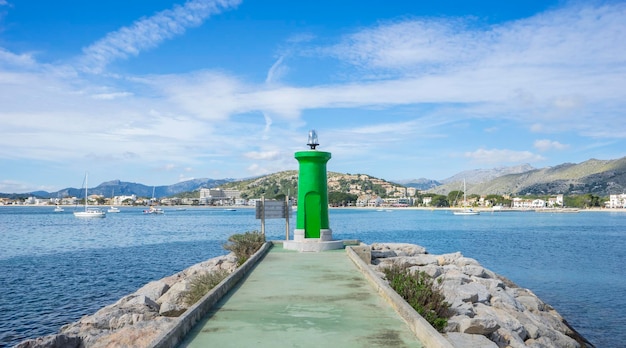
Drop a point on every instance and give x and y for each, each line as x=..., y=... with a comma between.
x=294, y=299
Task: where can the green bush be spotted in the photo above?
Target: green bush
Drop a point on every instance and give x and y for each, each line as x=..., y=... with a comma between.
x=202, y=284
x=418, y=290
x=244, y=245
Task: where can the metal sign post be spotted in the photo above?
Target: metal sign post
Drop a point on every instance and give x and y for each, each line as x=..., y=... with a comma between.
x=273, y=210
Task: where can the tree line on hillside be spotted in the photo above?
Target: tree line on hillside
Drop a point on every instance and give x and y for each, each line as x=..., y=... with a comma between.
x=588, y=200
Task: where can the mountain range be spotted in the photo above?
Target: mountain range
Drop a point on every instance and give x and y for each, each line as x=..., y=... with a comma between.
x=599, y=177
x=121, y=188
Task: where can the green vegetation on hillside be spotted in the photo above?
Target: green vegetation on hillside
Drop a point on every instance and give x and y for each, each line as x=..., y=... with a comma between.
x=341, y=199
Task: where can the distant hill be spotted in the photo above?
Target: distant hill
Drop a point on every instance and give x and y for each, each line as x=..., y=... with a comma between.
x=471, y=177
x=121, y=188
x=421, y=184
x=483, y=175
x=286, y=183
x=599, y=177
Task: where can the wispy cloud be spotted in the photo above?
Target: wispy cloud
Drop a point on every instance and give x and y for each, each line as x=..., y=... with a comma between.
x=149, y=32
x=491, y=156
x=546, y=145
x=419, y=80
x=426, y=43
x=266, y=155
x=9, y=59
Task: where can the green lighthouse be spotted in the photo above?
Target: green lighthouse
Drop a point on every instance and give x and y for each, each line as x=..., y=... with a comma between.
x=312, y=220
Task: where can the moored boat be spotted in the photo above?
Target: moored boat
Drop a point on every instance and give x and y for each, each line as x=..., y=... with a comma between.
x=468, y=211
x=89, y=212
x=154, y=210
x=465, y=211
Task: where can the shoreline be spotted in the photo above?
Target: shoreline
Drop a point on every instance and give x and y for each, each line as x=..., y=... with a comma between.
x=479, y=209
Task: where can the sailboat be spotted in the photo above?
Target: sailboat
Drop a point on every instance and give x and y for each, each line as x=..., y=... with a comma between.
x=113, y=209
x=89, y=212
x=153, y=209
x=465, y=211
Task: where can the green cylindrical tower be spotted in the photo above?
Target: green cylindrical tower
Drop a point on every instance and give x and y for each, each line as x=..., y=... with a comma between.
x=312, y=219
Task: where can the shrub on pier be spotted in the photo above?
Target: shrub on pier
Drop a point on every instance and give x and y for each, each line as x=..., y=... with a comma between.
x=244, y=245
x=418, y=289
x=202, y=284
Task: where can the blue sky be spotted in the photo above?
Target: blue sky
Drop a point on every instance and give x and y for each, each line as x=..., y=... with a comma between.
x=158, y=92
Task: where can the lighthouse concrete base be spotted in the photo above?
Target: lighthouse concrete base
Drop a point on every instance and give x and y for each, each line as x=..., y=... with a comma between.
x=325, y=242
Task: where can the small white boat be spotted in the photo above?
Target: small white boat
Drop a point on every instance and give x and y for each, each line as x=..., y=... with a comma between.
x=58, y=209
x=153, y=210
x=466, y=212
x=89, y=212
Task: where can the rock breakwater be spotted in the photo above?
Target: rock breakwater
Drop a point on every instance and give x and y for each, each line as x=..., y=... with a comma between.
x=135, y=320
x=488, y=310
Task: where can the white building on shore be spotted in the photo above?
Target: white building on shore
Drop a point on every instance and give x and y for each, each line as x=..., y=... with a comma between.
x=217, y=196
x=617, y=201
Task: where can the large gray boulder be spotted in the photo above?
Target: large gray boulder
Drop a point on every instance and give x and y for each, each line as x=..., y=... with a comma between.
x=154, y=289
x=52, y=341
x=172, y=303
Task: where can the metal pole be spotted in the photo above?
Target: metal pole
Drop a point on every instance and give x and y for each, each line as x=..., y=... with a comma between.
x=287, y=217
x=263, y=215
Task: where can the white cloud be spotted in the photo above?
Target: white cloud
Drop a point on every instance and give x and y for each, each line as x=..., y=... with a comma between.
x=546, y=145
x=554, y=72
x=24, y=60
x=111, y=96
x=148, y=32
x=491, y=156
x=264, y=155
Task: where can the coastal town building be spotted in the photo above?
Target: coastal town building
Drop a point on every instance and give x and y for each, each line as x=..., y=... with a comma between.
x=218, y=196
x=119, y=200
x=521, y=203
x=369, y=201
x=552, y=202
x=411, y=191
x=617, y=201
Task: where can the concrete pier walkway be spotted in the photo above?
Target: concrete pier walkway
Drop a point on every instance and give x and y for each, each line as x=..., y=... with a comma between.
x=294, y=299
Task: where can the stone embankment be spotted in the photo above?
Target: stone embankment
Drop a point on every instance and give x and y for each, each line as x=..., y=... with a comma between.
x=488, y=310
x=136, y=320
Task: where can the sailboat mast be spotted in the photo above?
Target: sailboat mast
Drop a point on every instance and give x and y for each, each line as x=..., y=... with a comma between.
x=464, y=195
x=86, y=177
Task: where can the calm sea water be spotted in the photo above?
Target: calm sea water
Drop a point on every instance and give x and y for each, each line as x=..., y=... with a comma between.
x=55, y=268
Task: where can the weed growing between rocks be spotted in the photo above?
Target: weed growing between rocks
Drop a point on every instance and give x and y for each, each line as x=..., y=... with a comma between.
x=419, y=291
x=202, y=284
x=244, y=245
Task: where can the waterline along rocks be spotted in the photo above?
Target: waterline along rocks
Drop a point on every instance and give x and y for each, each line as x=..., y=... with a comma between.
x=483, y=303
x=488, y=310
